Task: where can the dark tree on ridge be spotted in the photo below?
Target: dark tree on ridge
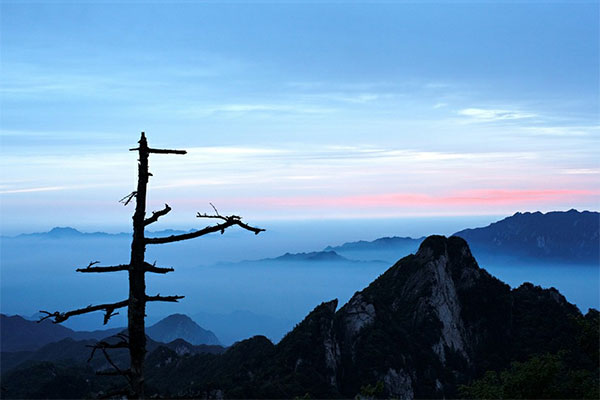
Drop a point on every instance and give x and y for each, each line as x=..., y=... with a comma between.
x=135, y=340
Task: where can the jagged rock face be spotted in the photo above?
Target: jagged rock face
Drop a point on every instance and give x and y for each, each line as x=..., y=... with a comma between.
x=420, y=328
x=310, y=353
x=411, y=317
x=431, y=321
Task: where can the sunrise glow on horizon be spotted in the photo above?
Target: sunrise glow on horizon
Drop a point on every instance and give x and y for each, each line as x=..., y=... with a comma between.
x=299, y=110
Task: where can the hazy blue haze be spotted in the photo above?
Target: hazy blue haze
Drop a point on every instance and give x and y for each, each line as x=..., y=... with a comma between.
x=38, y=273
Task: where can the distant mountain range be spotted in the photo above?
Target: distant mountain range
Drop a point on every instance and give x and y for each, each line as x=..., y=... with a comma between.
x=326, y=255
x=78, y=352
x=331, y=256
x=389, y=249
x=570, y=236
x=179, y=326
x=434, y=325
x=242, y=324
x=68, y=232
x=381, y=244
x=20, y=334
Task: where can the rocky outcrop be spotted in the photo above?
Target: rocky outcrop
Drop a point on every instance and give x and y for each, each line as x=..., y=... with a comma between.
x=436, y=318
x=310, y=353
x=432, y=322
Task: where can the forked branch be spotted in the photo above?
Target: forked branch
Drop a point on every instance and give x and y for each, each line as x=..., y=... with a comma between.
x=116, y=370
x=114, y=268
x=124, y=267
x=157, y=270
x=107, y=308
x=157, y=214
x=229, y=221
x=127, y=199
x=102, y=345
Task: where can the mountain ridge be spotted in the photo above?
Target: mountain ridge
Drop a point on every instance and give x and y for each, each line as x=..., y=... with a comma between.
x=432, y=323
x=571, y=236
x=180, y=326
x=20, y=334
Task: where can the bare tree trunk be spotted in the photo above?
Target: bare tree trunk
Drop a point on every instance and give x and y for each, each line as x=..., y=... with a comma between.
x=137, y=267
x=137, y=284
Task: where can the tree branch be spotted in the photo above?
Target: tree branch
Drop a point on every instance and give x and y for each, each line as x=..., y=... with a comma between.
x=117, y=371
x=108, y=308
x=105, y=345
x=124, y=267
x=125, y=200
x=157, y=270
x=157, y=214
x=170, y=299
x=229, y=221
x=89, y=268
x=165, y=151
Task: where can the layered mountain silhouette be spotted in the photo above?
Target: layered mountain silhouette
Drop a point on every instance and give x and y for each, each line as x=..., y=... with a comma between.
x=385, y=248
x=20, y=334
x=384, y=243
x=180, y=326
x=66, y=232
x=78, y=352
x=570, y=236
x=431, y=323
x=563, y=236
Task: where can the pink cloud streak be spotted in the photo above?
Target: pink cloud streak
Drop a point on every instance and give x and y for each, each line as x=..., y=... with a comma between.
x=466, y=198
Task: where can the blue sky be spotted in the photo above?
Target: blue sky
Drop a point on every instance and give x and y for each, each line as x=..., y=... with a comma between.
x=299, y=109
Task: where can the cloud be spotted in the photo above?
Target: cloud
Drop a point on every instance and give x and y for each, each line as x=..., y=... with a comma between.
x=485, y=115
x=560, y=130
x=581, y=171
x=247, y=108
x=459, y=199
x=34, y=189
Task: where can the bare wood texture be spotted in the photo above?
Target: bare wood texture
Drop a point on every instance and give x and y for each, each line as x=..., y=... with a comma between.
x=108, y=308
x=125, y=267
x=157, y=214
x=157, y=270
x=135, y=341
x=158, y=297
x=136, y=310
x=166, y=151
x=114, y=268
x=230, y=221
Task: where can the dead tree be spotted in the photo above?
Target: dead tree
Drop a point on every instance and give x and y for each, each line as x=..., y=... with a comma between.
x=135, y=340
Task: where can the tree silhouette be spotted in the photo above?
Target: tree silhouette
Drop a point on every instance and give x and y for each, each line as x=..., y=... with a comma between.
x=135, y=339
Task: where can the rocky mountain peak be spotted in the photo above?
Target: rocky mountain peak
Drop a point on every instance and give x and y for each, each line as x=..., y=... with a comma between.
x=453, y=247
x=180, y=326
